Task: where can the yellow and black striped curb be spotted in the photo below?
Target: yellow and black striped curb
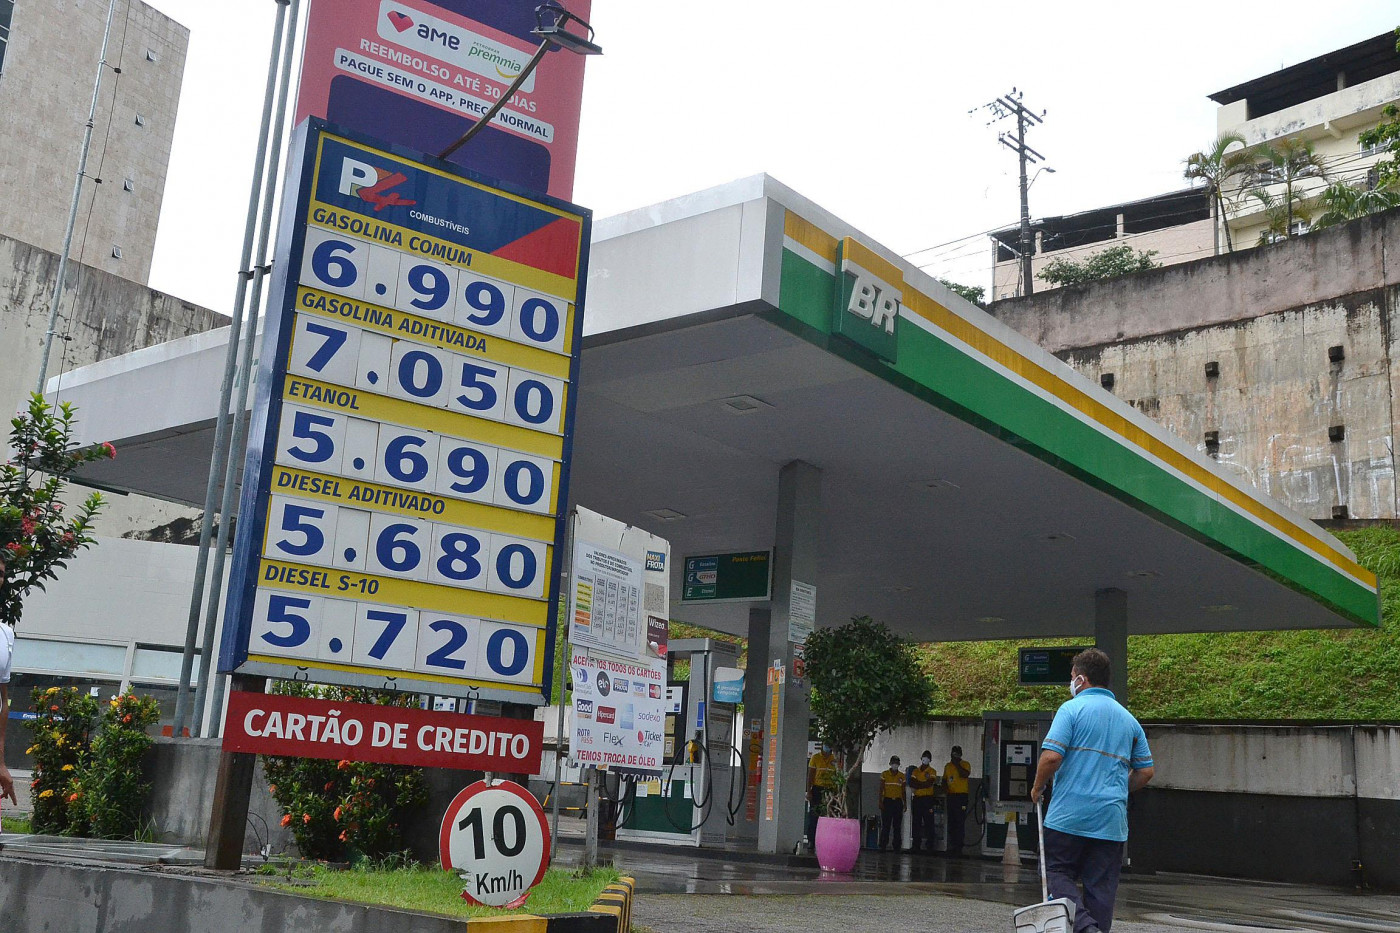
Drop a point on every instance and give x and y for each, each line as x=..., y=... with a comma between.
x=555, y=923
x=610, y=913
x=616, y=902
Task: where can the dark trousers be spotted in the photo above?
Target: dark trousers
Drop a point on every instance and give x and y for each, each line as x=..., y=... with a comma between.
x=1073, y=861
x=957, y=822
x=892, y=817
x=922, y=829
x=816, y=806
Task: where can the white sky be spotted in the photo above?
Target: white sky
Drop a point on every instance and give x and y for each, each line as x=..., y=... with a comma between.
x=861, y=107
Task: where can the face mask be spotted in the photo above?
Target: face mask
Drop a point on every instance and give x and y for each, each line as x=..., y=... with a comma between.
x=927, y=761
x=1075, y=687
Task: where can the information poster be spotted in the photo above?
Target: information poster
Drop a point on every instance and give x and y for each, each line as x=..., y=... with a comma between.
x=421, y=72
x=619, y=712
x=409, y=452
x=607, y=601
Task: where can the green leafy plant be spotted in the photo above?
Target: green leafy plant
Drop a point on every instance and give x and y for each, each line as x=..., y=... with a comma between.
x=865, y=680
x=1288, y=162
x=1105, y=264
x=1221, y=163
x=972, y=293
x=36, y=538
x=62, y=730
x=1342, y=202
x=110, y=785
x=344, y=810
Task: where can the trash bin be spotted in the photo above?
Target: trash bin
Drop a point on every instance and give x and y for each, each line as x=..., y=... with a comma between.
x=872, y=832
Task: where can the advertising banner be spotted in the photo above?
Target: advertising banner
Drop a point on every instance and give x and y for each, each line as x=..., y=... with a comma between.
x=271, y=724
x=619, y=712
x=409, y=452
x=421, y=72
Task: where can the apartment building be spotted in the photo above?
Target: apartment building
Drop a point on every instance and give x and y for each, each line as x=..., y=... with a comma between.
x=1327, y=101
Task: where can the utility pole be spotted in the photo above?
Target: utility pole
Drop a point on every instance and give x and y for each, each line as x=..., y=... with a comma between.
x=1010, y=105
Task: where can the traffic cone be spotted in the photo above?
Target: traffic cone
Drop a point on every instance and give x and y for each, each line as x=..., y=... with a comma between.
x=1011, y=852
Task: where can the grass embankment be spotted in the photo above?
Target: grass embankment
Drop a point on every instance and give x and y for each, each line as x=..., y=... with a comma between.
x=1332, y=674
x=432, y=890
x=16, y=826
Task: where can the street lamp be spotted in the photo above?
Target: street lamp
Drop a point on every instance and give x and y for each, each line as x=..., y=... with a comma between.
x=552, y=26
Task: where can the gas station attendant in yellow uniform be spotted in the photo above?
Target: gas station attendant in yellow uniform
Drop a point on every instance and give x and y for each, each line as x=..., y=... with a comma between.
x=955, y=773
x=821, y=781
x=892, y=805
x=924, y=781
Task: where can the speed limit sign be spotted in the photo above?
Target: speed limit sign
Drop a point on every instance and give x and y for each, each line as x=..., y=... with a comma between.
x=495, y=834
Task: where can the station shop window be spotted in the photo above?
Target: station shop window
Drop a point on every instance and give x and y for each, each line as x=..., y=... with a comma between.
x=7, y=11
x=22, y=687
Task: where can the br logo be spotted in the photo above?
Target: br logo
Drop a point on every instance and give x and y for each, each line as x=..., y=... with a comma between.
x=370, y=184
x=873, y=300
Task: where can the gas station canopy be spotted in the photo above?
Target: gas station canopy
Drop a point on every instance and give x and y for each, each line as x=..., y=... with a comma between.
x=972, y=485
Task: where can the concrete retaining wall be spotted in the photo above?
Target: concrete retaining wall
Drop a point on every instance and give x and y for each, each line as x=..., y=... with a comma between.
x=1267, y=319
x=182, y=796
x=1297, y=803
x=40, y=896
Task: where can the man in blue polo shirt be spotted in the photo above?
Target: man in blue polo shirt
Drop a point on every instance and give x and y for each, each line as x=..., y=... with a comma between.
x=1097, y=753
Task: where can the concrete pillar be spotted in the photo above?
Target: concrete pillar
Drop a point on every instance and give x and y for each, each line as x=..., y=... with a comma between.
x=755, y=705
x=1111, y=635
x=783, y=788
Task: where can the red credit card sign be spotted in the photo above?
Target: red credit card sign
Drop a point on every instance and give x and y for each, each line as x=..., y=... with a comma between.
x=270, y=724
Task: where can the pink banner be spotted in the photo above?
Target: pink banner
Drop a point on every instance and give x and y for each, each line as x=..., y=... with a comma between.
x=421, y=73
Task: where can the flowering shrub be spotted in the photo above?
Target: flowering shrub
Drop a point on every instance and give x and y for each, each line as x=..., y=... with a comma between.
x=344, y=810
x=60, y=749
x=110, y=789
x=36, y=538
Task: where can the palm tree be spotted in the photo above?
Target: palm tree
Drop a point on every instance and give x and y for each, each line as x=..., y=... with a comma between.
x=1342, y=202
x=1216, y=166
x=1287, y=162
x=1278, y=217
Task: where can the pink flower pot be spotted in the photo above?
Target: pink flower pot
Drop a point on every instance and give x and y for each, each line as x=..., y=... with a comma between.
x=838, y=843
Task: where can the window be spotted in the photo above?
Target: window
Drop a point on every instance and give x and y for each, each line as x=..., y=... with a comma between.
x=1377, y=149
x=7, y=10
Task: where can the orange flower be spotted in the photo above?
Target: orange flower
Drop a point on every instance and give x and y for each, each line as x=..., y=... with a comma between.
x=286, y=819
x=272, y=788
x=343, y=837
x=329, y=785
x=306, y=817
x=126, y=718
x=336, y=815
x=342, y=765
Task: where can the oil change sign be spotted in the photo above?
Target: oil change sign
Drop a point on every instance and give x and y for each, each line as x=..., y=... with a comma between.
x=409, y=450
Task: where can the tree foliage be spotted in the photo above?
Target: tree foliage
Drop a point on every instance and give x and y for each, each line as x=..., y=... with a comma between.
x=1105, y=264
x=865, y=680
x=1342, y=202
x=972, y=293
x=1222, y=162
x=1289, y=162
x=1385, y=136
x=36, y=538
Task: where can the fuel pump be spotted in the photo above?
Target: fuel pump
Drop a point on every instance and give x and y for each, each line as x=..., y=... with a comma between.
x=704, y=782
x=1010, y=750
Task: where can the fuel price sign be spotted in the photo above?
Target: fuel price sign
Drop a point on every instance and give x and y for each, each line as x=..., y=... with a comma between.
x=409, y=452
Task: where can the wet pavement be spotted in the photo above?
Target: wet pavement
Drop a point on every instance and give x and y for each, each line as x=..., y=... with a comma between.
x=682, y=892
